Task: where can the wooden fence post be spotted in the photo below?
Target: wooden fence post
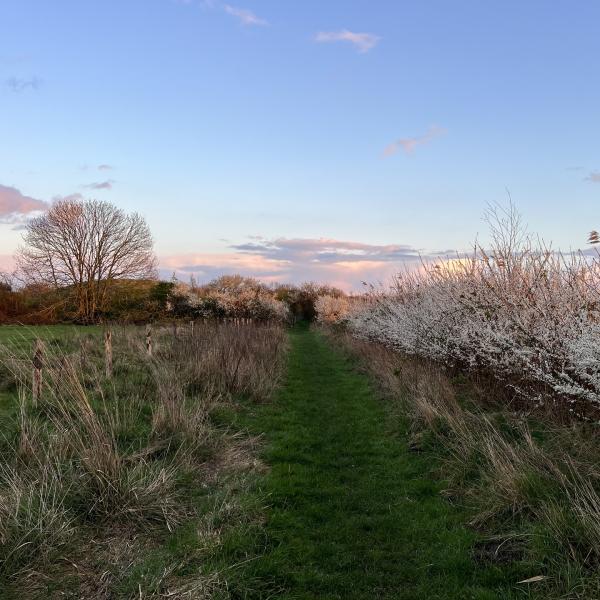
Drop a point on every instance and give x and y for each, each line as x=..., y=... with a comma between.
x=108, y=355
x=38, y=367
x=149, y=340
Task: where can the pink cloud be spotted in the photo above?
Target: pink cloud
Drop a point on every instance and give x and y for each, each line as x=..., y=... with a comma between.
x=594, y=177
x=208, y=261
x=246, y=17
x=363, y=42
x=14, y=205
x=410, y=144
x=346, y=264
x=326, y=250
x=345, y=275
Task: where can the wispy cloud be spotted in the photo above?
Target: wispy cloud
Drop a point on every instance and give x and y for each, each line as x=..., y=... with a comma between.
x=345, y=264
x=207, y=266
x=363, y=42
x=246, y=17
x=17, y=84
x=102, y=167
x=594, y=177
x=100, y=185
x=408, y=145
x=326, y=250
x=15, y=206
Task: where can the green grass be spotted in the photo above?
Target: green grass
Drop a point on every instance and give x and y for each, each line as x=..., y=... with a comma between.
x=26, y=334
x=352, y=512
x=19, y=339
x=143, y=557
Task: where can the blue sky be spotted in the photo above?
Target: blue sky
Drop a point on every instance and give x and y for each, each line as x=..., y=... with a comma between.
x=291, y=140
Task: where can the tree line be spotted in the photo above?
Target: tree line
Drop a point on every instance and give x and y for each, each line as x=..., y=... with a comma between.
x=88, y=261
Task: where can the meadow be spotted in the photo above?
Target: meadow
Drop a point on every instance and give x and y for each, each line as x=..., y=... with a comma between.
x=123, y=485
x=208, y=470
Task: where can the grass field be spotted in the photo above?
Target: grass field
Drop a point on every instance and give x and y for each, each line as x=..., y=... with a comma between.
x=122, y=487
x=315, y=492
x=26, y=334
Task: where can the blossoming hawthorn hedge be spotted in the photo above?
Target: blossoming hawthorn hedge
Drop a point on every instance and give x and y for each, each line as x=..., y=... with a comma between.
x=519, y=311
x=228, y=297
x=335, y=309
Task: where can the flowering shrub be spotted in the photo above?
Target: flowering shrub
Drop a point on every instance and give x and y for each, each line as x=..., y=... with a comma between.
x=302, y=299
x=520, y=311
x=334, y=309
x=228, y=297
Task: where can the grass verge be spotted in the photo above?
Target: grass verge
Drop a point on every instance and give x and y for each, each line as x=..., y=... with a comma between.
x=529, y=484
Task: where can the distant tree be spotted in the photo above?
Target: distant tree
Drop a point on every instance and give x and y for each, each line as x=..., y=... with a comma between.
x=86, y=246
x=161, y=292
x=301, y=300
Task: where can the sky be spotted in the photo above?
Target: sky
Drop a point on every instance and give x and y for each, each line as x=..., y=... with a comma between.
x=327, y=141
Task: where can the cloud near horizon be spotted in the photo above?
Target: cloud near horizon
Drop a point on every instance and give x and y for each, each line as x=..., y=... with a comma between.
x=345, y=264
x=15, y=206
x=246, y=17
x=363, y=42
x=594, y=177
x=325, y=250
x=410, y=144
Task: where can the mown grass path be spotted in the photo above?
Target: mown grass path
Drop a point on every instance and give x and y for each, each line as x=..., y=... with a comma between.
x=352, y=512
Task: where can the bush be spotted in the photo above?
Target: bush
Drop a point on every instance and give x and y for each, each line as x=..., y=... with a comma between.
x=232, y=297
x=532, y=488
x=519, y=312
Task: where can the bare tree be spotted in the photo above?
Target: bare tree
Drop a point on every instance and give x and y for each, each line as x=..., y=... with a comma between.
x=86, y=246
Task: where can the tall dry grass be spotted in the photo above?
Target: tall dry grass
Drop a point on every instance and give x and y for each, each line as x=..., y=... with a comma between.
x=532, y=487
x=93, y=454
